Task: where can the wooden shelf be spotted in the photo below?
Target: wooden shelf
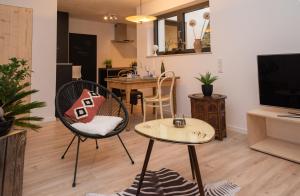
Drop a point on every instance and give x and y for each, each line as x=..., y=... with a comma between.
x=274, y=135
x=279, y=148
x=181, y=54
x=273, y=114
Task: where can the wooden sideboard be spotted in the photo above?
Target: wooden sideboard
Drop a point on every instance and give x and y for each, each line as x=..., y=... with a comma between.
x=12, y=152
x=210, y=109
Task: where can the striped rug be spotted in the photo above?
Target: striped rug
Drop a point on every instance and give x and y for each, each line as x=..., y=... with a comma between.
x=166, y=182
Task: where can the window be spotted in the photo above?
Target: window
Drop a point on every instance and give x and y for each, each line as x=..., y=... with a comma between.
x=176, y=32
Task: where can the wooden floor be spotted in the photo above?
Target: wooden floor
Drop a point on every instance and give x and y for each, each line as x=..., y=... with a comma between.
x=108, y=169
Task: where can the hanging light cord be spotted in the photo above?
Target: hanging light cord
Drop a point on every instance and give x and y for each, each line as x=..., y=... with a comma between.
x=140, y=7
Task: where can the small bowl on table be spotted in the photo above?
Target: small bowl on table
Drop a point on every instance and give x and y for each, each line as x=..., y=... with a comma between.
x=179, y=122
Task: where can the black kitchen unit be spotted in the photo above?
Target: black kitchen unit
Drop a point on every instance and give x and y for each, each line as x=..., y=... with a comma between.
x=83, y=51
x=62, y=44
x=63, y=67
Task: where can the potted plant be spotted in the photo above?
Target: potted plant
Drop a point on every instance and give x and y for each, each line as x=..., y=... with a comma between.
x=108, y=63
x=5, y=123
x=133, y=64
x=207, y=80
x=14, y=110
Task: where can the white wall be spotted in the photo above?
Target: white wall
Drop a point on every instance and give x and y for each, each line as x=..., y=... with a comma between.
x=43, y=52
x=121, y=54
x=241, y=29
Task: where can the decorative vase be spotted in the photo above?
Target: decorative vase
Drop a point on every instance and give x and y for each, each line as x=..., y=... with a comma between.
x=198, y=46
x=155, y=49
x=207, y=90
x=162, y=68
x=5, y=126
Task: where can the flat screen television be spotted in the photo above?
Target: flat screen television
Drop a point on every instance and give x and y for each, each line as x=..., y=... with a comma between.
x=279, y=80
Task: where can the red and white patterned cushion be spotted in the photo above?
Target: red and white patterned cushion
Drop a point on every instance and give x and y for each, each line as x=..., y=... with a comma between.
x=85, y=107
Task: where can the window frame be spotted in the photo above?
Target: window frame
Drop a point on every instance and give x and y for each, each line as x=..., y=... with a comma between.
x=180, y=27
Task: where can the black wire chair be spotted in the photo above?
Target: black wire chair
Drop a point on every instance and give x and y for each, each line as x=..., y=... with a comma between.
x=113, y=106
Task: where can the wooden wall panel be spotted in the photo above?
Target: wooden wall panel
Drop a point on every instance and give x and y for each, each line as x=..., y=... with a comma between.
x=15, y=34
x=15, y=41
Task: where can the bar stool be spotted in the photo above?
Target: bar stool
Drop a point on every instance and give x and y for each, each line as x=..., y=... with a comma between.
x=135, y=94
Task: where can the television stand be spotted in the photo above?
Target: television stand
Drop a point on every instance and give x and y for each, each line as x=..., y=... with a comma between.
x=294, y=113
x=289, y=116
x=269, y=131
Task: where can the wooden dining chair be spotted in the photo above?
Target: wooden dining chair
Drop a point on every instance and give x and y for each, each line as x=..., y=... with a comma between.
x=163, y=97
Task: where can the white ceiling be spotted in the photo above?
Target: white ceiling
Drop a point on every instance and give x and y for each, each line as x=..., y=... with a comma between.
x=96, y=9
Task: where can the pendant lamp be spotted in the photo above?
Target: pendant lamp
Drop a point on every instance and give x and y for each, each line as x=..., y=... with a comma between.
x=140, y=18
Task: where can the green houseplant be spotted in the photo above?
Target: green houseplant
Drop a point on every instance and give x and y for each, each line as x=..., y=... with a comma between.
x=207, y=80
x=133, y=64
x=13, y=89
x=108, y=63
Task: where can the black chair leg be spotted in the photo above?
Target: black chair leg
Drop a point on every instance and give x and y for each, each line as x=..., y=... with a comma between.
x=63, y=156
x=120, y=106
x=97, y=146
x=76, y=163
x=131, y=108
x=142, y=104
x=132, y=162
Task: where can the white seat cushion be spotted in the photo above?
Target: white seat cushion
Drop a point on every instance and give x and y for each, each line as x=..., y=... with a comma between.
x=100, y=125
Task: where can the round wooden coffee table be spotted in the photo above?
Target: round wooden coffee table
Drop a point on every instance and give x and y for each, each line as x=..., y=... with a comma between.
x=195, y=132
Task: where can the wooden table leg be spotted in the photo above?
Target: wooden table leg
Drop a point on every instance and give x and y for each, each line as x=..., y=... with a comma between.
x=128, y=90
x=197, y=170
x=191, y=162
x=147, y=158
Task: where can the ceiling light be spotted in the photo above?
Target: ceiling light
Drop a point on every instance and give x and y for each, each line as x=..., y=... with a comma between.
x=140, y=18
x=110, y=17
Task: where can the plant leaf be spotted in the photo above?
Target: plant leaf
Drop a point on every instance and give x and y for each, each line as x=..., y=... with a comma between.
x=207, y=79
x=29, y=118
x=25, y=108
x=27, y=125
x=19, y=96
